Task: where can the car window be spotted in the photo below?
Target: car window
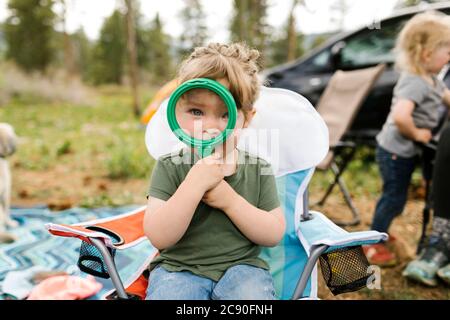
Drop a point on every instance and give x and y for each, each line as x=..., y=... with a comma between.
x=372, y=46
x=318, y=63
x=322, y=60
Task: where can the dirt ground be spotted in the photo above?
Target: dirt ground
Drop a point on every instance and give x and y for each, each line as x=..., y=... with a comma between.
x=61, y=188
x=406, y=230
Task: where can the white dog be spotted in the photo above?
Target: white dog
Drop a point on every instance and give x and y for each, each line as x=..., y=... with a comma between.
x=8, y=141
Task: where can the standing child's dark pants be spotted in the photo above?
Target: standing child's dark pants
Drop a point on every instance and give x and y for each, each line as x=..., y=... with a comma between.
x=441, y=177
x=396, y=173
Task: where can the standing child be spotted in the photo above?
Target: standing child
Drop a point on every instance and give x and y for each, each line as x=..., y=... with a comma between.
x=209, y=217
x=423, y=48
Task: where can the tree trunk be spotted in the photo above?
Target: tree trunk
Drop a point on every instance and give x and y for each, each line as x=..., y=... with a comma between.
x=132, y=56
x=292, y=34
x=69, y=59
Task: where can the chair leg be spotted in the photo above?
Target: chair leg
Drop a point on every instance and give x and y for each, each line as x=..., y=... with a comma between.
x=337, y=175
x=306, y=274
x=112, y=270
x=337, y=171
x=348, y=199
x=322, y=201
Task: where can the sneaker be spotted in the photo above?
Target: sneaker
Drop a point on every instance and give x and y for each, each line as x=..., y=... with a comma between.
x=444, y=274
x=425, y=268
x=379, y=254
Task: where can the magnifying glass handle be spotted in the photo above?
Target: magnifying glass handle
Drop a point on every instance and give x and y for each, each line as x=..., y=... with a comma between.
x=205, y=151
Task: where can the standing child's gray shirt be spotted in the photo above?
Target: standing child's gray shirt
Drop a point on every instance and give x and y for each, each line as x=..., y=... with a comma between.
x=427, y=100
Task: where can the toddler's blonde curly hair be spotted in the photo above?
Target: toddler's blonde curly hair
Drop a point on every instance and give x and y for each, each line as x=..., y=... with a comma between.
x=235, y=62
x=425, y=31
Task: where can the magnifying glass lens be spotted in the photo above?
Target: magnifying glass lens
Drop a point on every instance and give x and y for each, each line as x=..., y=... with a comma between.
x=201, y=114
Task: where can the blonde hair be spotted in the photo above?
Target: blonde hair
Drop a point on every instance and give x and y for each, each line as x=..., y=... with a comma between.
x=429, y=30
x=235, y=62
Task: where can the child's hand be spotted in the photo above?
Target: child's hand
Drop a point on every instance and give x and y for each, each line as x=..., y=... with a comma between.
x=423, y=135
x=220, y=196
x=206, y=173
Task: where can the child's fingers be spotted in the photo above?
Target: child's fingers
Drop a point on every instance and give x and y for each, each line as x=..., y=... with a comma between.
x=213, y=159
x=213, y=156
x=219, y=155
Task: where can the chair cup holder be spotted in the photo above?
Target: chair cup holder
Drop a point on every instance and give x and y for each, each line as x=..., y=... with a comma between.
x=91, y=260
x=345, y=270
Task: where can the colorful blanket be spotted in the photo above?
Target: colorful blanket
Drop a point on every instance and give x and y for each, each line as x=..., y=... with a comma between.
x=36, y=246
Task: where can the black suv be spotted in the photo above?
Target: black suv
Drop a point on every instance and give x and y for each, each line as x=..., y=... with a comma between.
x=349, y=51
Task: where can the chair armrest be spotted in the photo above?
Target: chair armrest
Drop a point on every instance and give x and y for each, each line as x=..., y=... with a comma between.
x=126, y=229
x=322, y=231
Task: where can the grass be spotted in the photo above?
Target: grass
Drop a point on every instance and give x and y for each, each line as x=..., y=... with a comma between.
x=105, y=136
x=105, y=200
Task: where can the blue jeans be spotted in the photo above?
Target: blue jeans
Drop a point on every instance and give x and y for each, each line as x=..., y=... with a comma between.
x=396, y=173
x=240, y=282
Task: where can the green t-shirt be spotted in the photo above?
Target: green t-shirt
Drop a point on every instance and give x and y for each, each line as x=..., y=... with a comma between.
x=212, y=243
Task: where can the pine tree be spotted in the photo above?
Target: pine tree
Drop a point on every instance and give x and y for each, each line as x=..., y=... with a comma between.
x=132, y=55
x=143, y=44
x=259, y=28
x=292, y=33
x=109, y=53
x=288, y=44
x=249, y=23
x=277, y=54
x=142, y=39
x=2, y=43
x=239, y=22
x=28, y=33
x=69, y=59
x=194, y=26
x=159, y=54
x=82, y=48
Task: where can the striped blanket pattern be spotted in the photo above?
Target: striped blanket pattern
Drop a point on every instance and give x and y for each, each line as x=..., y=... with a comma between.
x=36, y=246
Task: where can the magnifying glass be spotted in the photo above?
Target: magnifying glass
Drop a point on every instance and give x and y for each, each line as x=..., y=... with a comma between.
x=204, y=147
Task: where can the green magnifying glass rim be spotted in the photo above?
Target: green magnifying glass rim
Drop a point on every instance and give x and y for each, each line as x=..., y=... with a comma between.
x=205, y=147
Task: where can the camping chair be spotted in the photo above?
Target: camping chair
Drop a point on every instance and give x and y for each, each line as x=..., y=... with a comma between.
x=309, y=236
x=338, y=106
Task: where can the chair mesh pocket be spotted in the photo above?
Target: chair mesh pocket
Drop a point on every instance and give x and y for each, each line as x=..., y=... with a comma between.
x=91, y=260
x=345, y=270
